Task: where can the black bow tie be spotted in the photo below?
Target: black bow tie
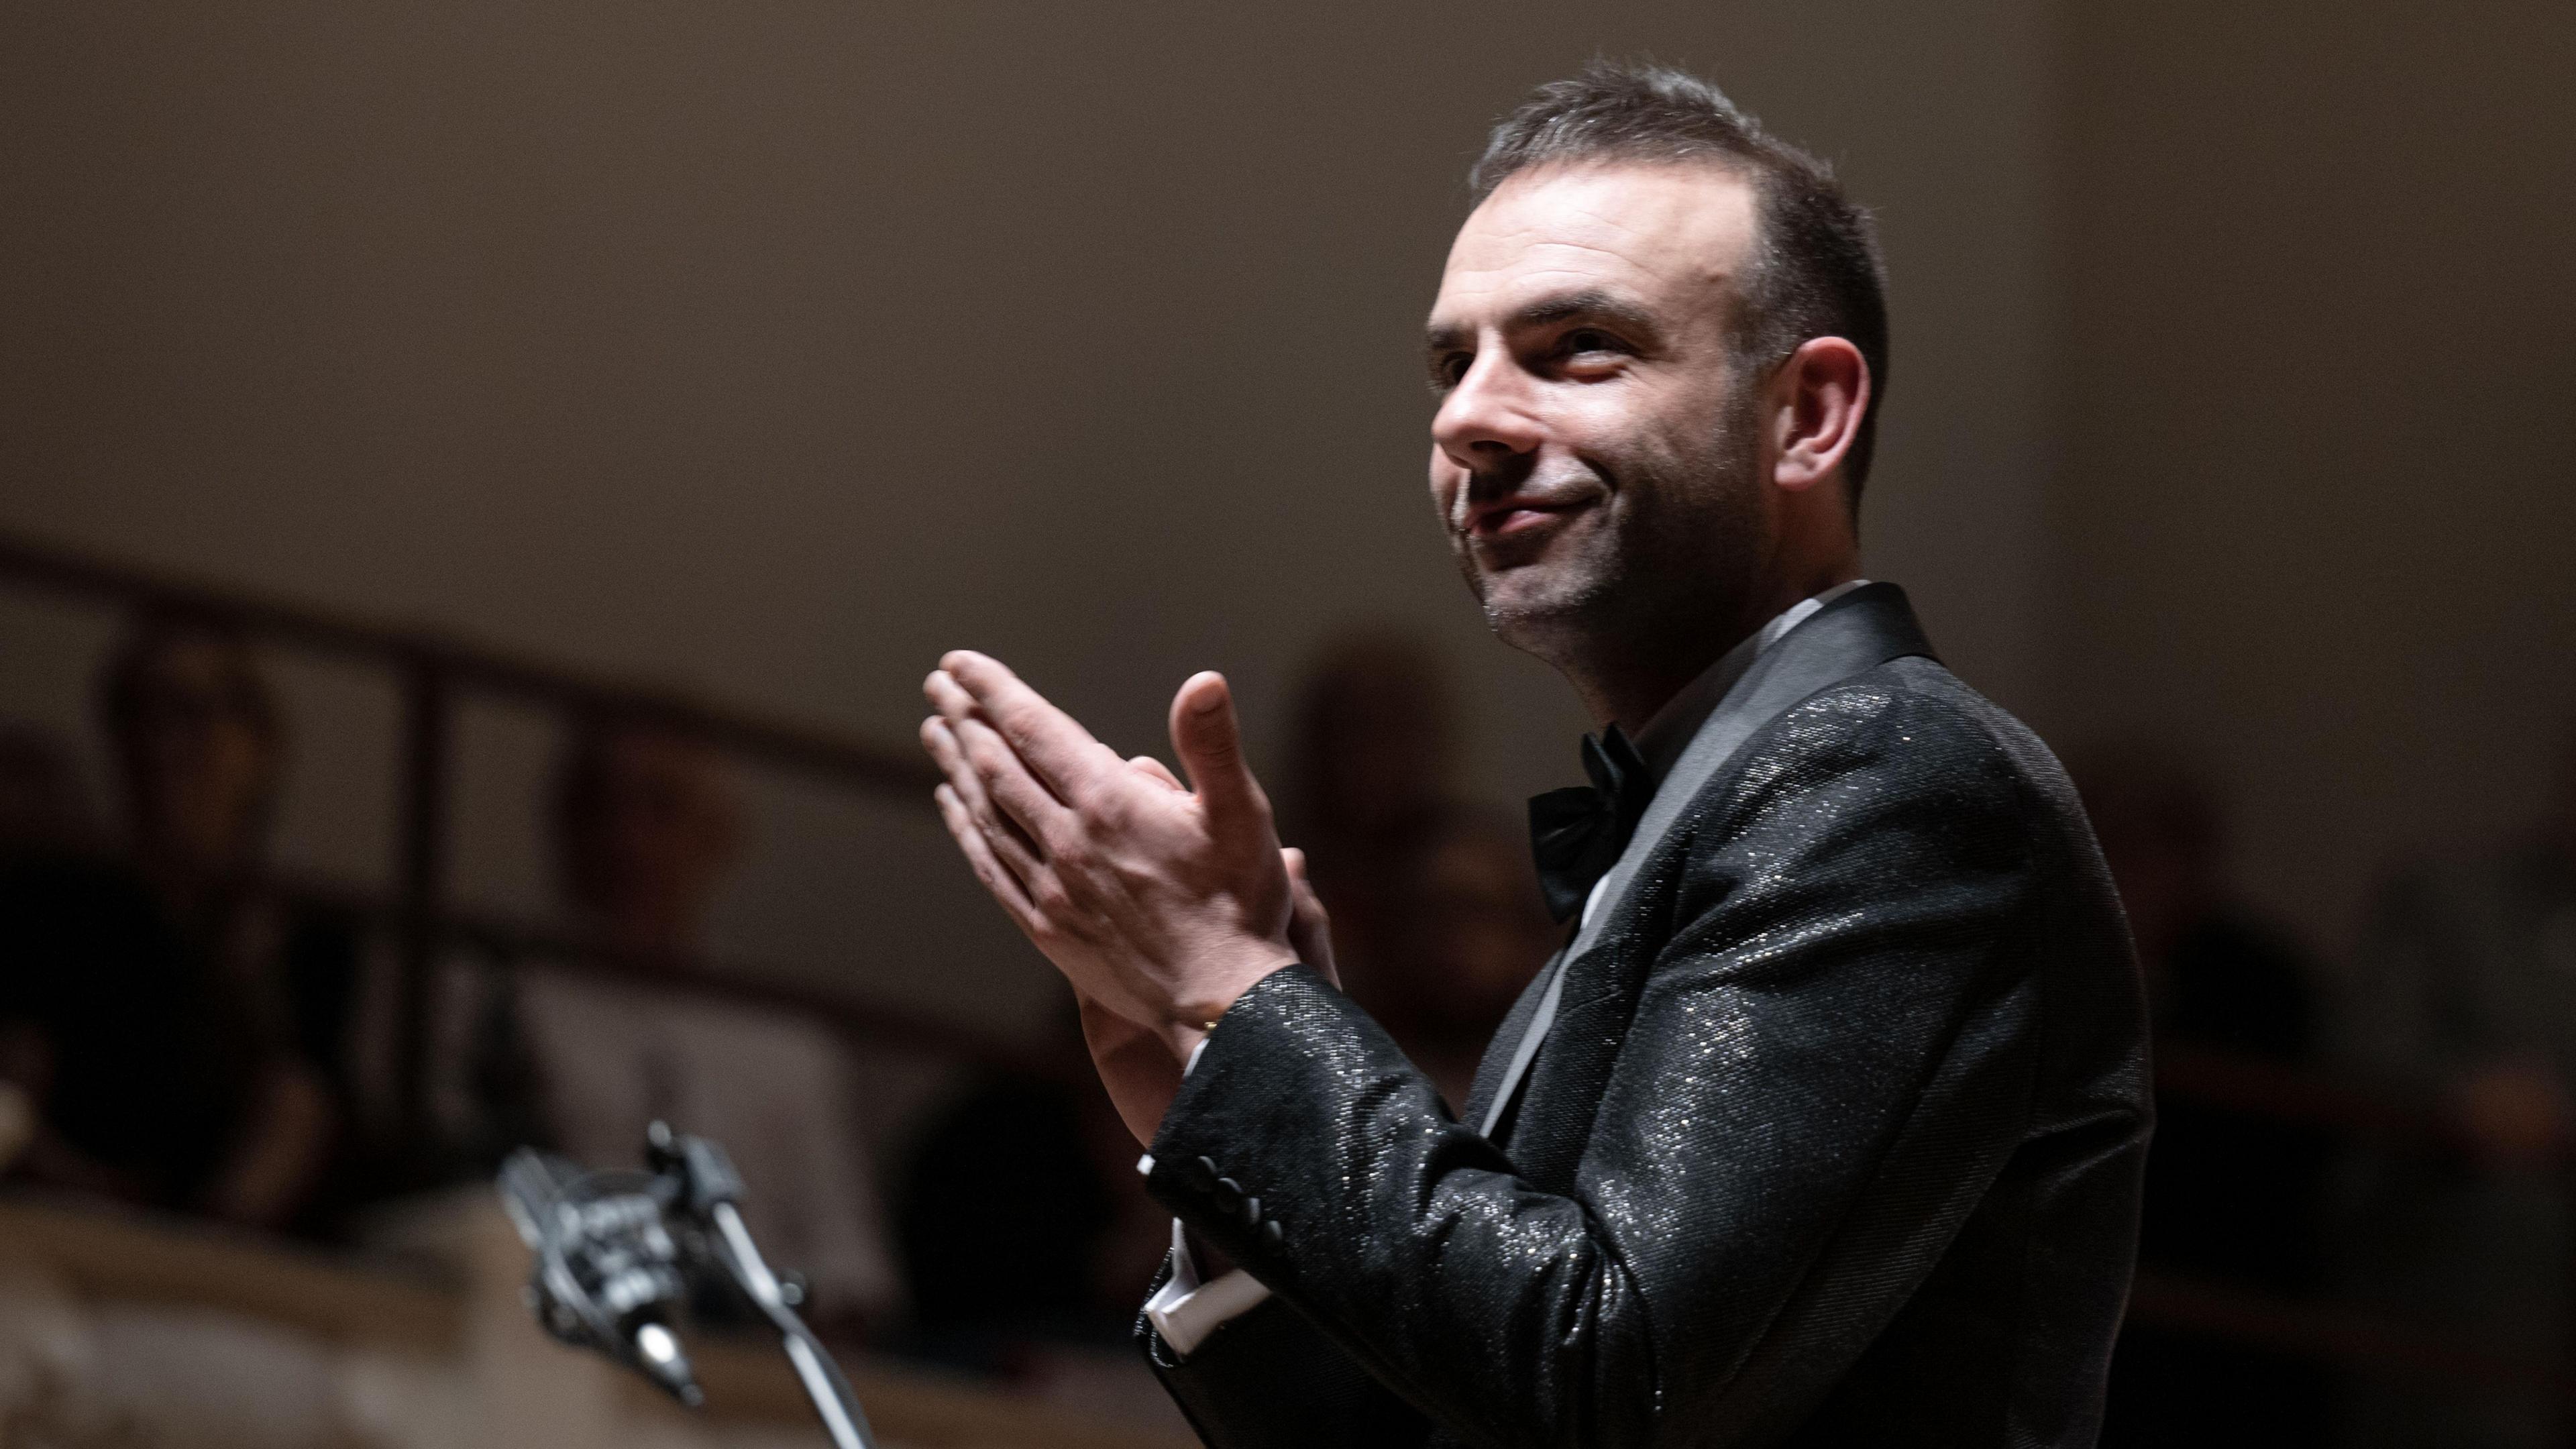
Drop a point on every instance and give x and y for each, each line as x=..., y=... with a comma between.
x=1578, y=832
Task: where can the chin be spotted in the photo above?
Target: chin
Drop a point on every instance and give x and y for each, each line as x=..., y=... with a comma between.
x=1535, y=618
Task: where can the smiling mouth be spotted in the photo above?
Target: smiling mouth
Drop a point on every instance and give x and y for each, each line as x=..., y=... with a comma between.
x=1513, y=520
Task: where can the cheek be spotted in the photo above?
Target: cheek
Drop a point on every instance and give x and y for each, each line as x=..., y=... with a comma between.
x=1608, y=430
x=1446, y=479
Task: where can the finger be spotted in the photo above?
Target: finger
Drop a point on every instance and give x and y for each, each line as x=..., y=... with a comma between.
x=1042, y=818
x=1310, y=927
x=959, y=708
x=1061, y=754
x=948, y=697
x=1210, y=747
x=1003, y=837
x=1156, y=769
x=998, y=881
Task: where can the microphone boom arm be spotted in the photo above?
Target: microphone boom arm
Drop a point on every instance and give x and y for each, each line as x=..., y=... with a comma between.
x=612, y=1254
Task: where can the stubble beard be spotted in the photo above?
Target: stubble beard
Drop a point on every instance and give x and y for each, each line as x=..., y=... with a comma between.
x=1678, y=539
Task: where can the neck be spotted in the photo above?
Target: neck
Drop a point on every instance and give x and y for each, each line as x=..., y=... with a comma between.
x=1625, y=675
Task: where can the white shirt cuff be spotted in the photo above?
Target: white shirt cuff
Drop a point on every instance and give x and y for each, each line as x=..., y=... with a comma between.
x=1185, y=1311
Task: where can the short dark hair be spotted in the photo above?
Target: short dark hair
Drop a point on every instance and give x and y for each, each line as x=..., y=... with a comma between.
x=1816, y=269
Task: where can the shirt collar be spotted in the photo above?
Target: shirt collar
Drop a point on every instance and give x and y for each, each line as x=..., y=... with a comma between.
x=1661, y=740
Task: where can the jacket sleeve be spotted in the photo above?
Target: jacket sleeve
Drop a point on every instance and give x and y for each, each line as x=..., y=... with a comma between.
x=1269, y=1380
x=1830, y=1057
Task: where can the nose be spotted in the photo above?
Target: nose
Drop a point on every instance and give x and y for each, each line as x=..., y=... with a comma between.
x=1490, y=416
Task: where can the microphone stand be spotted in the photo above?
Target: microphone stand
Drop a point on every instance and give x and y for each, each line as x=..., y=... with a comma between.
x=615, y=1252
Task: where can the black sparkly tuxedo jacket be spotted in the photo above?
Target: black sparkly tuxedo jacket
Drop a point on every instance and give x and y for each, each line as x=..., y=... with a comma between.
x=1832, y=1134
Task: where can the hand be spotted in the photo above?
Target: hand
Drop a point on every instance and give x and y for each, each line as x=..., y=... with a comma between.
x=1140, y=1075
x=1159, y=904
x=1310, y=929
x=1135, y=1068
x=1310, y=926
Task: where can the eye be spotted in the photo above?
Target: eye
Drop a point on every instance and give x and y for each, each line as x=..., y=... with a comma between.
x=1590, y=339
x=1449, y=369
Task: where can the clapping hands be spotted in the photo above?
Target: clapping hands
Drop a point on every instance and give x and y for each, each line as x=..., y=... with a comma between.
x=1161, y=902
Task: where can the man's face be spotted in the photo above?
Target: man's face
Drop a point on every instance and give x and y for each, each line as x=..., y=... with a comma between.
x=1595, y=455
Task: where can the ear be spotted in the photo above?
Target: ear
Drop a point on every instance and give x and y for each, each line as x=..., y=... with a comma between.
x=1818, y=399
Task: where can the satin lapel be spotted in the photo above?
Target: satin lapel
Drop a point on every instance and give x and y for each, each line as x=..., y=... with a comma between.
x=1852, y=635
x=1496, y=1063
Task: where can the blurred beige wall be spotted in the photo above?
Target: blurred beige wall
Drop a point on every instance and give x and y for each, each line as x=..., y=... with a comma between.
x=771, y=349
x=2315, y=519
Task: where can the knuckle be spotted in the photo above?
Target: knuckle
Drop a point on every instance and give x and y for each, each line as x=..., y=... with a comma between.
x=1051, y=898
x=1073, y=859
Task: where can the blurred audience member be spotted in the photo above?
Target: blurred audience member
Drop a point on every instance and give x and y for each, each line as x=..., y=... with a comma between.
x=1437, y=918
x=43, y=807
x=1370, y=779
x=1475, y=929
x=2231, y=1197
x=648, y=826
x=1024, y=1221
x=181, y=1029
x=2467, y=999
x=647, y=829
x=43, y=812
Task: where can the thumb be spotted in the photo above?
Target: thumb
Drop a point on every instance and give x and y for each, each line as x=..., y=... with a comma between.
x=1153, y=768
x=1209, y=745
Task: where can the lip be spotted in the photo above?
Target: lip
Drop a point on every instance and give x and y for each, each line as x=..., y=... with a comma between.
x=1505, y=518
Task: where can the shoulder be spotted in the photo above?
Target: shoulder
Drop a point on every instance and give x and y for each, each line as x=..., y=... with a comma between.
x=1905, y=734
x=1897, y=783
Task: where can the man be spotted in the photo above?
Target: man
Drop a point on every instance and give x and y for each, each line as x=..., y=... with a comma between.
x=1826, y=1126
x=2230, y=1196
x=647, y=827
x=183, y=1026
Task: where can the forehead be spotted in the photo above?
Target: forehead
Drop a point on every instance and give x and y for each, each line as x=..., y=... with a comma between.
x=1660, y=232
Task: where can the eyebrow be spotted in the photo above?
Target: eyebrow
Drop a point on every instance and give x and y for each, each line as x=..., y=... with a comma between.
x=1591, y=302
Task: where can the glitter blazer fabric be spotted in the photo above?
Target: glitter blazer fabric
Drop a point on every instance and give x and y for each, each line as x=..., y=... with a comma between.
x=1835, y=1136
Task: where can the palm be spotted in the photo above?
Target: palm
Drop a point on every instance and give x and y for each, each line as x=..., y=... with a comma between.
x=1160, y=903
